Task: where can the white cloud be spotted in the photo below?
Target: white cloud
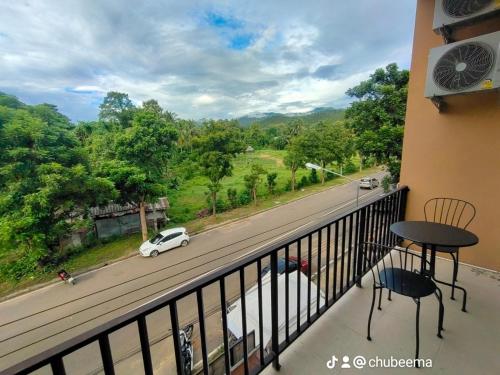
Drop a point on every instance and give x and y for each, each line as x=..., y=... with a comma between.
x=204, y=100
x=303, y=54
x=88, y=89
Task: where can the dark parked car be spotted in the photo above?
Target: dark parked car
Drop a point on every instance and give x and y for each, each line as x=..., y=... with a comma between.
x=292, y=266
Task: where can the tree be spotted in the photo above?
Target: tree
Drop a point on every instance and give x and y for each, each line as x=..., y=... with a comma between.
x=334, y=143
x=295, y=127
x=216, y=145
x=253, y=179
x=45, y=184
x=142, y=155
x=187, y=132
x=271, y=181
x=152, y=105
x=232, y=196
x=377, y=116
x=117, y=108
x=295, y=157
x=10, y=101
x=255, y=136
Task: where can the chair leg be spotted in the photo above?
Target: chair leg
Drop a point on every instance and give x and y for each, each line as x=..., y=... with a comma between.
x=369, y=338
x=380, y=299
x=417, y=301
x=390, y=295
x=455, y=272
x=439, y=295
x=455, y=278
x=464, y=301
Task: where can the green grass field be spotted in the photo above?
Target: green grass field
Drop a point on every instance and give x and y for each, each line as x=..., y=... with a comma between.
x=190, y=198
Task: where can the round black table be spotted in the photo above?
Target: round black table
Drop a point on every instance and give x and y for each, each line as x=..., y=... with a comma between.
x=434, y=234
x=430, y=235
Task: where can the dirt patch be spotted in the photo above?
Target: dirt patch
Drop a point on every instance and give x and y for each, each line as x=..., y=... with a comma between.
x=278, y=161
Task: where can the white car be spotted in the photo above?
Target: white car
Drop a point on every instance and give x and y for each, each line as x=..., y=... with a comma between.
x=368, y=183
x=163, y=241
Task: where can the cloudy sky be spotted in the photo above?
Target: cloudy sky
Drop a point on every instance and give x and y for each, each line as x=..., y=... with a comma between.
x=199, y=59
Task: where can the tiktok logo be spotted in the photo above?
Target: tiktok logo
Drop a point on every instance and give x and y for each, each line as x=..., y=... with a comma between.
x=332, y=363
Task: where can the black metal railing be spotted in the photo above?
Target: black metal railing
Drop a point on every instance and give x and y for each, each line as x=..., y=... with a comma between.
x=332, y=250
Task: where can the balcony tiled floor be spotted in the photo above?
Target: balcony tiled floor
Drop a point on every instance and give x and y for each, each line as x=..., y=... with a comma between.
x=471, y=343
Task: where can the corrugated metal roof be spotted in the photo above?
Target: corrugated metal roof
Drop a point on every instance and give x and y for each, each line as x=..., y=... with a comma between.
x=115, y=209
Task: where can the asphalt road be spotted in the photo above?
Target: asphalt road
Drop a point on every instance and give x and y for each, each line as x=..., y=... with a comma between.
x=38, y=320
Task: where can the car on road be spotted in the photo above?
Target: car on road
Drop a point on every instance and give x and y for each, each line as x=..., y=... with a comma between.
x=292, y=266
x=163, y=241
x=368, y=183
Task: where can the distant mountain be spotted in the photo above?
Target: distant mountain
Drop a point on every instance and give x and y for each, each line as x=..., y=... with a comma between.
x=274, y=118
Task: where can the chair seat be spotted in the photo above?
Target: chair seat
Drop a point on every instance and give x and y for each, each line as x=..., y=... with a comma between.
x=407, y=283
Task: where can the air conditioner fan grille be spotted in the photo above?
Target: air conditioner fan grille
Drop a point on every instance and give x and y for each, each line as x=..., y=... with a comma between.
x=464, y=8
x=463, y=66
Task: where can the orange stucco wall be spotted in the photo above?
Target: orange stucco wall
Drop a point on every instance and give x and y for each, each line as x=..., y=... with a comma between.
x=456, y=153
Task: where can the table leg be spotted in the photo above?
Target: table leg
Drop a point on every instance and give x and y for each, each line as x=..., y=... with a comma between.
x=423, y=265
x=433, y=260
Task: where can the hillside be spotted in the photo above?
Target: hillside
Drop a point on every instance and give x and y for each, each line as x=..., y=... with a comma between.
x=273, y=118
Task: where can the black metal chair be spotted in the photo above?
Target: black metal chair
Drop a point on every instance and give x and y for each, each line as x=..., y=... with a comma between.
x=455, y=212
x=397, y=272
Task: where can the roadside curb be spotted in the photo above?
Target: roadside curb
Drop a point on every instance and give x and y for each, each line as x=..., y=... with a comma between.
x=134, y=254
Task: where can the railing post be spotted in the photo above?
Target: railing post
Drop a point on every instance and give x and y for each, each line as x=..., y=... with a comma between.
x=359, y=249
x=403, y=193
x=107, y=358
x=227, y=364
x=174, y=319
x=402, y=204
x=145, y=349
x=274, y=310
x=57, y=366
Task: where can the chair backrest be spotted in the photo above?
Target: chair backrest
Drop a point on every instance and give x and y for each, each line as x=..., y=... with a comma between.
x=451, y=211
x=384, y=260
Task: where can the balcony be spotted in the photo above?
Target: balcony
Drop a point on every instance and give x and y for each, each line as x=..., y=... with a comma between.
x=470, y=343
x=288, y=314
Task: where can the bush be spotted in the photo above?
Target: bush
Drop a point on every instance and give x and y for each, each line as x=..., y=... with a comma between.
x=313, y=177
x=288, y=185
x=232, y=196
x=174, y=183
x=188, y=169
x=304, y=181
x=26, y=265
x=350, y=167
x=244, y=197
x=330, y=176
x=386, y=183
x=271, y=182
x=394, y=168
x=221, y=205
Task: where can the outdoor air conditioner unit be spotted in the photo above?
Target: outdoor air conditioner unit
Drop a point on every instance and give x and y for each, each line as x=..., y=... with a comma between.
x=455, y=12
x=466, y=66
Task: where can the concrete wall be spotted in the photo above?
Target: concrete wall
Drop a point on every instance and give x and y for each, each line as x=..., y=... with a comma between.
x=456, y=153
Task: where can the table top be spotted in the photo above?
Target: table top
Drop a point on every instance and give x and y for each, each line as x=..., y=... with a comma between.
x=430, y=233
